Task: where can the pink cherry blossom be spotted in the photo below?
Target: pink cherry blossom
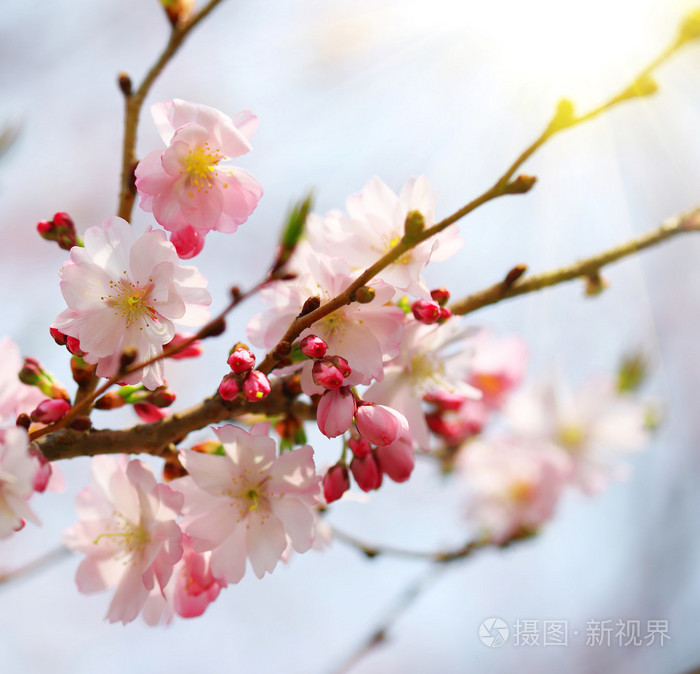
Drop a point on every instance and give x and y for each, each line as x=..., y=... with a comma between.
x=363, y=334
x=335, y=411
x=125, y=291
x=128, y=532
x=248, y=504
x=375, y=223
x=187, y=186
x=18, y=470
x=514, y=487
x=595, y=426
x=433, y=358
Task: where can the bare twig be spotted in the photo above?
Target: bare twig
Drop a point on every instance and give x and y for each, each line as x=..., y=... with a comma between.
x=587, y=268
x=27, y=570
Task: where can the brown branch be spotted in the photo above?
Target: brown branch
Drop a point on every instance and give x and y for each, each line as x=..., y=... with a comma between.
x=134, y=103
x=588, y=268
x=156, y=438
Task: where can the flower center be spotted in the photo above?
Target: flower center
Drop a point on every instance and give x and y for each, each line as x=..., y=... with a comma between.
x=571, y=437
x=521, y=491
x=131, y=301
x=426, y=373
x=391, y=242
x=200, y=163
x=333, y=323
x=133, y=537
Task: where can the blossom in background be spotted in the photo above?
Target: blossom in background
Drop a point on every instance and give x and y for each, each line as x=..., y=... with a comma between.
x=433, y=358
x=128, y=532
x=594, y=426
x=375, y=223
x=249, y=503
x=514, y=486
x=187, y=186
x=363, y=334
x=15, y=397
x=124, y=291
x=18, y=469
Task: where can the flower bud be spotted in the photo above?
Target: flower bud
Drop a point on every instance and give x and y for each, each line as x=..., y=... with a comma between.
x=58, y=336
x=33, y=374
x=311, y=304
x=49, y=411
x=379, y=424
x=313, y=347
x=188, y=242
x=109, y=401
x=398, y=459
x=43, y=471
x=426, y=311
x=161, y=397
x=73, y=346
x=149, y=413
x=414, y=225
x=335, y=483
x=335, y=412
x=366, y=472
x=256, y=386
x=341, y=364
x=242, y=359
x=61, y=230
x=82, y=372
x=365, y=294
x=445, y=313
x=192, y=350
x=360, y=447
x=441, y=296
x=326, y=374
x=229, y=388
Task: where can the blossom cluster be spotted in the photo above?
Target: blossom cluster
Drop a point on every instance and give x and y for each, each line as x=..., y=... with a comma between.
x=388, y=373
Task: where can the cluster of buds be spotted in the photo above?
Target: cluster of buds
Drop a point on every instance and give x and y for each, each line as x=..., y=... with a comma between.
x=254, y=384
x=432, y=310
x=369, y=465
x=149, y=405
x=61, y=230
x=33, y=374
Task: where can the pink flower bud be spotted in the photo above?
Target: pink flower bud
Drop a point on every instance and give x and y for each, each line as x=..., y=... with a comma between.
x=335, y=483
x=313, y=347
x=426, y=311
x=149, y=413
x=335, y=412
x=360, y=447
x=188, y=242
x=366, y=472
x=256, y=386
x=379, y=424
x=49, y=411
x=229, y=388
x=398, y=459
x=190, y=351
x=161, y=398
x=326, y=374
x=341, y=364
x=445, y=313
x=441, y=296
x=241, y=360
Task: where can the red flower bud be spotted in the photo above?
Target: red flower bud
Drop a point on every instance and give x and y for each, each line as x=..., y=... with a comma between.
x=58, y=336
x=326, y=374
x=229, y=388
x=426, y=311
x=241, y=360
x=256, y=386
x=397, y=460
x=73, y=345
x=335, y=483
x=49, y=411
x=360, y=447
x=441, y=296
x=190, y=351
x=149, y=413
x=366, y=472
x=313, y=347
x=188, y=242
x=445, y=313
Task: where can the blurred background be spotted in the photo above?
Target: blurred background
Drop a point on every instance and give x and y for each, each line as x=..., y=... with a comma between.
x=346, y=90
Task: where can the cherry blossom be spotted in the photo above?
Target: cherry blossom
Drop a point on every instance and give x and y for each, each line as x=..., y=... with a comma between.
x=18, y=469
x=128, y=531
x=375, y=223
x=248, y=504
x=124, y=291
x=594, y=426
x=186, y=186
x=363, y=334
x=514, y=487
x=433, y=358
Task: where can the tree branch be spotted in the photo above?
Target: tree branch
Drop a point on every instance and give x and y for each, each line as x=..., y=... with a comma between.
x=588, y=268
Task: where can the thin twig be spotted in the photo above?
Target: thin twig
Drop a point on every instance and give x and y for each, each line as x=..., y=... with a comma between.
x=134, y=103
x=588, y=267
